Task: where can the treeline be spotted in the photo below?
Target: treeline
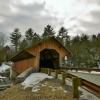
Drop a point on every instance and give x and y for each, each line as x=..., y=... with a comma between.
x=85, y=50
x=21, y=41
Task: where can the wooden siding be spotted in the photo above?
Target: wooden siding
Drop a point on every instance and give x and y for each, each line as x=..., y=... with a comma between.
x=50, y=44
x=22, y=65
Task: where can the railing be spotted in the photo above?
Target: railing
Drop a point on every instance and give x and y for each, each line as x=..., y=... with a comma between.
x=75, y=80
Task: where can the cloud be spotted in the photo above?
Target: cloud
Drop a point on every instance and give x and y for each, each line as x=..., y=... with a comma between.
x=76, y=15
x=24, y=16
x=93, y=1
x=90, y=25
x=87, y=22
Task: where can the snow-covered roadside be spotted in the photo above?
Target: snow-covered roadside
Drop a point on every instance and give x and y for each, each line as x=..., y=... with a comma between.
x=92, y=72
x=86, y=95
x=34, y=79
x=4, y=67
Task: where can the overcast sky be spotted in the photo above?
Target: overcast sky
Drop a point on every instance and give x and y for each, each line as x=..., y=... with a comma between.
x=76, y=15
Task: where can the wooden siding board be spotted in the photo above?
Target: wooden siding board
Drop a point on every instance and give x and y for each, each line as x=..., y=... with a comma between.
x=20, y=66
x=49, y=45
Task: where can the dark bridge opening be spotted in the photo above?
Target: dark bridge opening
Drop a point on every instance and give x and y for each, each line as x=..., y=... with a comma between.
x=49, y=58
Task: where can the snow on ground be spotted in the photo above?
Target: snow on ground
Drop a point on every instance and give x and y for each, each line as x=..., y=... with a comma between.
x=86, y=95
x=83, y=71
x=34, y=79
x=4, y=67
x=2, y=77
x=92, y=72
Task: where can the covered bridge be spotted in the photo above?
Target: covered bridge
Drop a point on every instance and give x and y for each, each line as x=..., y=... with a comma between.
x=47, y=53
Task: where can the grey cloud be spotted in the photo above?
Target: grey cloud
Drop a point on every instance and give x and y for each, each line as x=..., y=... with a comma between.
x=26, y=17
x=96, y=15
x=93, y=26
x=30, y=16
x=93, y=1
x=90, y=27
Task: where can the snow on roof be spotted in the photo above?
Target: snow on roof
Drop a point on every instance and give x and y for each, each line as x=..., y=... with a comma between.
x=4, y=67
x=34, y=79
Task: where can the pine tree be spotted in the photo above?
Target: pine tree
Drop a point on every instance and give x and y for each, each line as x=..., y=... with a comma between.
x=76, y=39
x=29, y=34
x=23, y=45
x=48, y=31
x=15, y=38
x=36, y=38
x=84, y=38
x=62, y=32
x=64, y=37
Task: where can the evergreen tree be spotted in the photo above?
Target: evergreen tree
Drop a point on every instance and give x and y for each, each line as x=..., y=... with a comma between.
x=84, y=38
x=7, y=52
x=94, y=37
x=48, y=31
x=76, y=39
x=98, y=36
x=15, y=38
x=64, y=37
x=23, y=45
x=63, y=32
x=29, y=34
x=2, y=39
x=98, y=40
x=36, y=38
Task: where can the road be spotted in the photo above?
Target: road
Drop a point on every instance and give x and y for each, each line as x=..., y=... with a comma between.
x=93, y=78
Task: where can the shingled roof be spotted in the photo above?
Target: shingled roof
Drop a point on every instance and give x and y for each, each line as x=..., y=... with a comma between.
x=21, y=56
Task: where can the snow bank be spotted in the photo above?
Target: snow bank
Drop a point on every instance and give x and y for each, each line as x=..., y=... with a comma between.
x=86, y=95
x=2, y=77
x=83, y=71
x=94, y=72
x=34, y=79
x=4, y=67
x=21, y=77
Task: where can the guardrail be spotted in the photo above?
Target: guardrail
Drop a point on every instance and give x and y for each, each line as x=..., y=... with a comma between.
x=95, y=89
x=75, y=80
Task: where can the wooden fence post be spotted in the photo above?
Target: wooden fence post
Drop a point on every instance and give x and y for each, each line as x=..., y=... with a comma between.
x=75, y=87
x=99, y=94
x=56, y=73
x=49, y=71
x=63, y=78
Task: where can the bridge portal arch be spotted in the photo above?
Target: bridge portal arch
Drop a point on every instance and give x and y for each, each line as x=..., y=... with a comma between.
x=49, y=58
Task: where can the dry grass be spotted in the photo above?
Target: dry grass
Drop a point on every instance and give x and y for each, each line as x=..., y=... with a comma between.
x=49, y=90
